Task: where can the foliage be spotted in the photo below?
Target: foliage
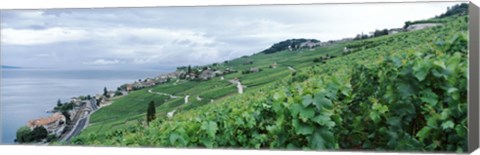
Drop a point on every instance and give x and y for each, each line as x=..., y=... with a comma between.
x=65, y=107
x=105, y=92
x=23, y=135
x=459, y=9
x=38, y=133
x=404, y=92
x=151, y=112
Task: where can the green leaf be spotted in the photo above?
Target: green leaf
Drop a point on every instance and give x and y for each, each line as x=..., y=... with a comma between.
x=322, y=102
x=448, y=124
x=375, y=116
x=295, y=110
x=445, y=114
x=322, y=139
x=207, y=142
x=279, y=96
x=211, y=128
x=302, y=128
x=307, y=112
x=429, y=97
x=324, y=121
x=174, y=137
x=307, y=100
x=440, y=64
x=423, y=133
x=405, y=89
x=380, y=108
x=421, y=70
x=317, y=142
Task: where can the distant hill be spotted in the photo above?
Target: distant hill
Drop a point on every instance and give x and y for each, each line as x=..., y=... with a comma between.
x=459, y=9
x=10, y=67
x=291, y=44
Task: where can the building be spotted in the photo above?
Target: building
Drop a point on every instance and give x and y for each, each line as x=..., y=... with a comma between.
x=206, y=74
x=393, y=31
x=422, y=26
x=309, y=44
x=274, y=65
x=254, y=69
x=54, y=124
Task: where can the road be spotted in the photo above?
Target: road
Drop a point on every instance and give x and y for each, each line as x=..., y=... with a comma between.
x=80, y=125
x=159, y=93
x=78, y=128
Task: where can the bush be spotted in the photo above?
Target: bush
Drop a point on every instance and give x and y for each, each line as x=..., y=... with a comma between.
x=23, y=135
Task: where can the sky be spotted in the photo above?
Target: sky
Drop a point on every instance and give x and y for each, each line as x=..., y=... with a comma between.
x=168, y=37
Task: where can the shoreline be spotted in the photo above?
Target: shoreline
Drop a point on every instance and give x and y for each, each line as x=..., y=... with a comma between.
x=75, y=111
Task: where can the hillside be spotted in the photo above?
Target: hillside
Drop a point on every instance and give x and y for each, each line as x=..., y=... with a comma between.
x=405, y=91
x=292, y=44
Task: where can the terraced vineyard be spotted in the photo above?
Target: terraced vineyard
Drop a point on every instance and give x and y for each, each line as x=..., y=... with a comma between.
x=404, y=92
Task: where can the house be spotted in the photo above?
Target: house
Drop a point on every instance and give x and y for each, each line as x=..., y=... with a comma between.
x=138, y=85
x=421, y=26
x=309, y=44
x=218, y=73
x=254, y=69
x=274, y=65
x=98, y=96
x=129, y=87
x=76, y=101
x=199, y=98
x=207, y=74
x=393, y=31
x=150, y=83
x=54, y=124
x=110, y=93
x=234, y=81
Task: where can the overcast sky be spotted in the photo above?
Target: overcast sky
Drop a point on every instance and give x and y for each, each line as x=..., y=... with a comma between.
x=167, y=37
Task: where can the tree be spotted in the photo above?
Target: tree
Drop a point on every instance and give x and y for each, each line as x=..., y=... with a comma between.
x=67, y=117
x=59, y=103
x=39, y=133
x=150, y=112
x=24, y=135
x=105, y=91
x=189, y=69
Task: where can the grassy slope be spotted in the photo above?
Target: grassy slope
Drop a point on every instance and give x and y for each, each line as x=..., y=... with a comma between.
x=131, y=108
x=126, y=109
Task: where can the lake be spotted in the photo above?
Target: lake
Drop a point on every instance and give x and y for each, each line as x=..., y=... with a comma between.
x=27, y=94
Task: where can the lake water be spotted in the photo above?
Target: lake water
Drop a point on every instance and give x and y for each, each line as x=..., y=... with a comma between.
x=26, y=94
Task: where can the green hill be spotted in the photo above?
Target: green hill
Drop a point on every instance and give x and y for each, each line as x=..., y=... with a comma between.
x=405, y=91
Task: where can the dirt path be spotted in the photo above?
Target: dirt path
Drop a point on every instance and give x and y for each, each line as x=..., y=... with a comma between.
x=160, y=93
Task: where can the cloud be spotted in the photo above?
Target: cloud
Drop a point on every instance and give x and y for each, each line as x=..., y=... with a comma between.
x=176, y=36
x=36, y=37
x=105, y=62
